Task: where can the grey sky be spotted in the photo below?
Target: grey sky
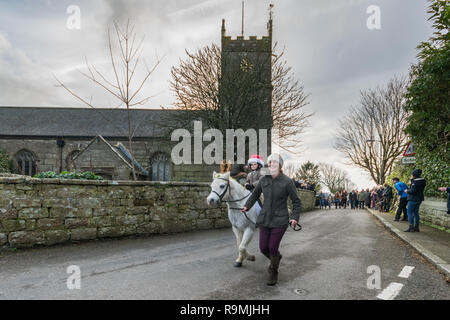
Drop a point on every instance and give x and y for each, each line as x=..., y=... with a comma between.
x=327, y=43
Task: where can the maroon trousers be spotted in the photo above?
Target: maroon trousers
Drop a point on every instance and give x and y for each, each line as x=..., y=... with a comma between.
x=269, y=240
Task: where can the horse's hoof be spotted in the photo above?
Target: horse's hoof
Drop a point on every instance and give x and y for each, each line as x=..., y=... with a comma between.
x=251, y=258
x=238, y=264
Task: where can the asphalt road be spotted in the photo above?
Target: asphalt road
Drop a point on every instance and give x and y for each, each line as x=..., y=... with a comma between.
x=328, y=259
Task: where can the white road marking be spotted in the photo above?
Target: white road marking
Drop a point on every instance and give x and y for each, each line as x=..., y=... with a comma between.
x=392, y=290
x=406, y=272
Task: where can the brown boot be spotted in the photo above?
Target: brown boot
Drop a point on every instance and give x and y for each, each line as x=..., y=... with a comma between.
x=273, y=270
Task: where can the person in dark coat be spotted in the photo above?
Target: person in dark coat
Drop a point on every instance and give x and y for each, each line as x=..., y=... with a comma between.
x=353, y=197
x=415, y=198
x=344, y=199
x=380, y=201
x=368, y=198
x=274, y=217
x=387, y=195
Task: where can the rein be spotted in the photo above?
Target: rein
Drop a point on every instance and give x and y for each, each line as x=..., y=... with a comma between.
x=297, y=227
x=223, y=194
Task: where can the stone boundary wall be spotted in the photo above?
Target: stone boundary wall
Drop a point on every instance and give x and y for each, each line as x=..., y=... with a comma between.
x=50, y=211
x=434, y=211
x=308, y=199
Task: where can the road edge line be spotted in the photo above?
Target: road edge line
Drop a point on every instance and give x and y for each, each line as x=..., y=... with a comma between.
x=439, y=263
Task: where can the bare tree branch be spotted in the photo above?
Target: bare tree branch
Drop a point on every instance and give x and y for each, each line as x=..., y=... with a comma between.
x=371, y=135
x=121, y=87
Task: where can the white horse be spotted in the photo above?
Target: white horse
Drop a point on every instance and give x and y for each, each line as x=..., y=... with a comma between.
x=226, y=189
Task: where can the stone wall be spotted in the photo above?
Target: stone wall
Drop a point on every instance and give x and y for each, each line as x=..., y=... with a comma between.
x=50, y=211
x=434, y=211
x=308, y=199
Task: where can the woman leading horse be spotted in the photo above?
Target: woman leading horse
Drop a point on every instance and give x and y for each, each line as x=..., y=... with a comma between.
x=274, y=217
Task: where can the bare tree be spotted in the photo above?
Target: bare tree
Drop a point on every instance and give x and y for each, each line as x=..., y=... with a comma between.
x=195, y=83
x=122, y=84
x=290, y=169
x=372, y=135
x=334, y=178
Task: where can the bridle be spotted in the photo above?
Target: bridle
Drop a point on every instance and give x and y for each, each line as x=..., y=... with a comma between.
x=297, y=227
x=228, y=187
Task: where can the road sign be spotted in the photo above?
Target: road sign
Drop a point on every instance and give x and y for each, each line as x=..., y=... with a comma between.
x=408, y=160
x=409, y=150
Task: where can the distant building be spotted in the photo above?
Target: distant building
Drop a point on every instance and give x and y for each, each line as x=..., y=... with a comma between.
x=58, y=139
x=86, y=139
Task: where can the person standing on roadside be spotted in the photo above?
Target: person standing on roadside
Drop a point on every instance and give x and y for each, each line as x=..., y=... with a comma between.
x=367, y=199
x=415, y=198
x=337, y=200
x=344, y=199
x=353, y=198
x=401, y=187
x=361, y=199
x=322, y=199
x=387, y=195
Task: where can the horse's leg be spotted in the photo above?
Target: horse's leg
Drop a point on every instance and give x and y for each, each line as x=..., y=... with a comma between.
x=248, y=234
x=238, y=233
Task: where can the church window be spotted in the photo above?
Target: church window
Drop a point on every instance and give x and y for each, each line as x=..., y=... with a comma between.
x=160, y=165
x=26, y=162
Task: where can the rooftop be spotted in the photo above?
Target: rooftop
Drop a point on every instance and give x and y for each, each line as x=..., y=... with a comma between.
x=81, y=122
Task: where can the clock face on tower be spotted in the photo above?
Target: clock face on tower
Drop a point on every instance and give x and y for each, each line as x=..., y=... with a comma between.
x=246, y=66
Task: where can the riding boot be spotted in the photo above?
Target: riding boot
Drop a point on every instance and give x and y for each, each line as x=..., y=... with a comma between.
x=410, y=229
x=273, y=270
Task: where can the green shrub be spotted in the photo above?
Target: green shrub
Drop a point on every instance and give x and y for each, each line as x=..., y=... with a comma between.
x=428, y=102
x=88, y=175
x=401, y=171
x=6, y=163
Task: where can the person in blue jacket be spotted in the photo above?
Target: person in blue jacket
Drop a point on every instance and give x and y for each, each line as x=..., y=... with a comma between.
x=401, y=187
x=415, y=198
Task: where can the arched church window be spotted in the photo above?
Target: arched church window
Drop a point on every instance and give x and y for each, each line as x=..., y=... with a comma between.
x=160, y=164
x=26, y=162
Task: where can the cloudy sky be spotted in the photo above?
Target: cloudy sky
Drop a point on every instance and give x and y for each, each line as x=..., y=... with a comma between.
x=327, y=42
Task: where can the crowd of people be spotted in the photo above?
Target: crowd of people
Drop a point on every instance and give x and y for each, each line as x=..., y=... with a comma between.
x=379, y=197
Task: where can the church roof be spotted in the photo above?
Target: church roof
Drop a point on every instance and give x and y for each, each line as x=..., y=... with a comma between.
x=81, y=122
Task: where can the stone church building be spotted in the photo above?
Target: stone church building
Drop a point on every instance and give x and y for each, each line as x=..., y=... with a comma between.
x=84, y=139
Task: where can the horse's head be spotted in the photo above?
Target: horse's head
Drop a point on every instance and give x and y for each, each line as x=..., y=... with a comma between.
x=219, y=188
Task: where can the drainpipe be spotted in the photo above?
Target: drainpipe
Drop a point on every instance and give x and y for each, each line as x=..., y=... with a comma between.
x=60, y=144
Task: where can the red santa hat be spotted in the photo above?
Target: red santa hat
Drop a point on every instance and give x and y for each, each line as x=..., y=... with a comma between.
x=255, y=158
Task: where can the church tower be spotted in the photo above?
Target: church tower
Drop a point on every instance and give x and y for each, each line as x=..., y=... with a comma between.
x=245, y=87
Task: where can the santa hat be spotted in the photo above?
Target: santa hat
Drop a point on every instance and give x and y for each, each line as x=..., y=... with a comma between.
x=255, y=158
